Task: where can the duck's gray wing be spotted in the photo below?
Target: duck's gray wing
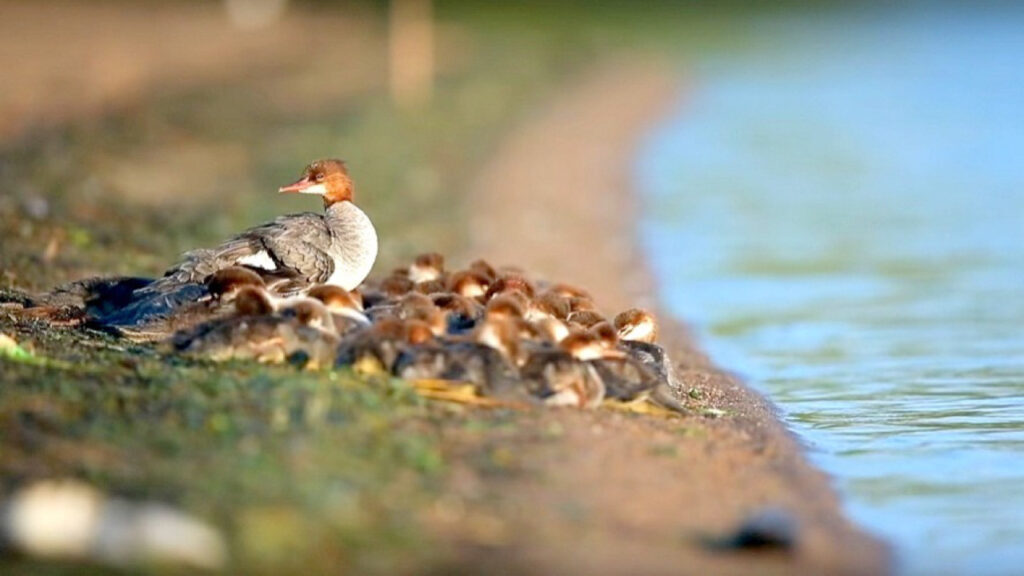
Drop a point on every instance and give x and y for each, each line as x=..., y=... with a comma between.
x=288, y=246
x=297, y=246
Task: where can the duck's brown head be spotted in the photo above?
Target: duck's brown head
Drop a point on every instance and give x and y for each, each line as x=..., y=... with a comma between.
x=328, y=178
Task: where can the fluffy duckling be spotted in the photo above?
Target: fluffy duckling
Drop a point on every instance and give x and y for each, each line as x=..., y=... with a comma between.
x=559, y=379
x=461, y=313
x=568, y=291
x=483, y=268
x=469, y=283
x=501, y=333
x=637, y=325
x=396, y=286
x=579, y=304
x=551, y=330
x=427, y=267
x=416, y=306
x=506, y=306
x=508, y=283
x=429, y=287
x=256, y=332
x=225, y=284
x=586, y=346
x=625, y=379
x=605, y=334
x=585, y=318
x=345, y=308
x=374, y=349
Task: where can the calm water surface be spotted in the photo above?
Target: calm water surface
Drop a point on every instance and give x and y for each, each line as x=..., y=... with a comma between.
x=841, y=214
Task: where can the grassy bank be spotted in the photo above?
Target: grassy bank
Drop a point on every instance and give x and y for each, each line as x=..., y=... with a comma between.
x=304, y=472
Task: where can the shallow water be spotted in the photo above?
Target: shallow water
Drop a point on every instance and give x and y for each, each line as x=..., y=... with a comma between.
x=840, y=211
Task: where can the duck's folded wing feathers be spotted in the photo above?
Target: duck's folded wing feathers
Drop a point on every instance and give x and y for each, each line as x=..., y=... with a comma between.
x=289, y=246
x=298, y=245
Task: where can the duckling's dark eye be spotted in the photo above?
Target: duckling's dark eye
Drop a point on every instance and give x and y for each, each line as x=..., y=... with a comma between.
x=320, y=177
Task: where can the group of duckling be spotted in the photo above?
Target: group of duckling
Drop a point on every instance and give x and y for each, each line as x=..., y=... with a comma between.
x=293, y=289
x=473, y=334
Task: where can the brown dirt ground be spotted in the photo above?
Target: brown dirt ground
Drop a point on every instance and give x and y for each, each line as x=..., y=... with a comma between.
x=628, y=494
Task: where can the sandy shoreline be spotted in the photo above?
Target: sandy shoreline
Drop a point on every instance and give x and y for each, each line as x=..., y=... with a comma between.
x=557, y=198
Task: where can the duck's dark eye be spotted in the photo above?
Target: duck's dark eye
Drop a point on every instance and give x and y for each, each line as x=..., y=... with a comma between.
x=320, y=177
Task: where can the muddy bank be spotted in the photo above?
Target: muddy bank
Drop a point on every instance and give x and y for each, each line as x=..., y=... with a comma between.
x=629, y=494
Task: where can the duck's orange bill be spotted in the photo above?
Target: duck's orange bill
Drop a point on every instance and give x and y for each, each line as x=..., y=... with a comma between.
x=297, y=186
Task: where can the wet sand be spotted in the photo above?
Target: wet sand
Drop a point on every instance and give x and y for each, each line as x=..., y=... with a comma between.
x=644, y=493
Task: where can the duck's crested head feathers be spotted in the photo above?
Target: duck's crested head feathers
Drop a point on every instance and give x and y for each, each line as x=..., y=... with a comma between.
x=328, y=178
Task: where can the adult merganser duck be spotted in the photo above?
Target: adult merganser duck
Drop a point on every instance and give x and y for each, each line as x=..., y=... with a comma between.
x=338, y=247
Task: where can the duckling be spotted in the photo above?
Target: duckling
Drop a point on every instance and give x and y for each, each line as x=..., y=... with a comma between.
x=580, y=304
x=427, y=268
x=559, y=379
x=585, y=318
x=252, y=332
x=312, y=339
x=223, y=285
x=638, y=332
x=625, y=379
x=469, y=283
x=458, y=361
x=605, y=334
x=302, y=327
x=501, y=333
x=461, y=312
x=586, y=346
x=510, y=283
x=396, y=286
x=505, y=306
x=483, y=268
x=416, y=306
x=548, y=304
x=373, y=349
x=346, y=310
x=430, y=287
x=568, y=291
x=551, y=330
x=637, y=325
